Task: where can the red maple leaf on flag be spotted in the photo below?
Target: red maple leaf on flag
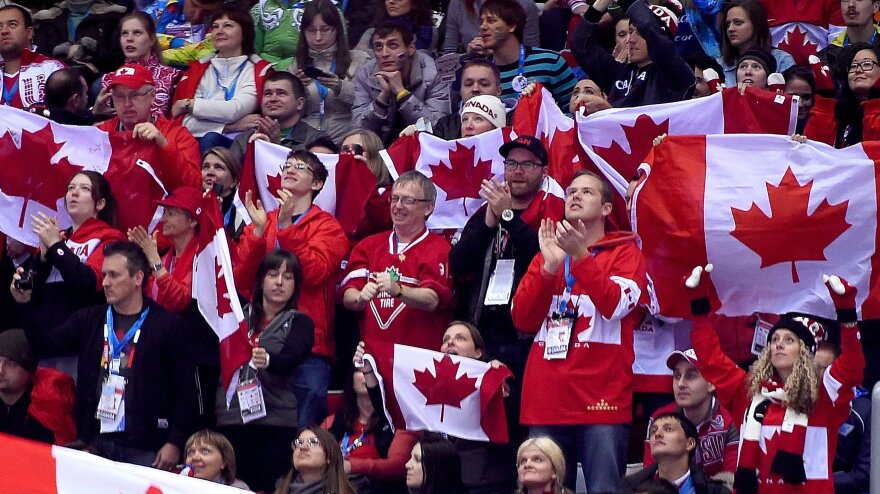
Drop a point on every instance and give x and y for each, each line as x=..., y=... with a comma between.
x=28, y=171
x=224, y=303
x=463, y=177
x=640, y=137
x=790, y=234
x=153, y=490
x=443, y=388
x=799, y=45
x=274, y=184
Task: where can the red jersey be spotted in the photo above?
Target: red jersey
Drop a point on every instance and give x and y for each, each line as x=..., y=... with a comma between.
x=423, y=263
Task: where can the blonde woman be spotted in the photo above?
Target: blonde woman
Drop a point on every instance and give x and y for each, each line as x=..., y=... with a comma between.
x=791, y=413
x=365, y=145
x=540, y=465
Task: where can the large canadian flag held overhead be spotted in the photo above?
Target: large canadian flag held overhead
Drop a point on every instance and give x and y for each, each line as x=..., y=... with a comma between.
x=772, y=215
x=427, y=390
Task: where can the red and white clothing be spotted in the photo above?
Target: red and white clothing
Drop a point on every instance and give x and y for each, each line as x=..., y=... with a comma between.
x=836, y=390
x=653, y=340
x=719, y=439
x=87, y=244
x=803, y=27
x=165, y=78
x=25, y=87
x=173, y=291
x=593, y=384
x=423, y=263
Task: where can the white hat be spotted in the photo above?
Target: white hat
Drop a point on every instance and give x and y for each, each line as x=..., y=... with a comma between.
x=487, y=106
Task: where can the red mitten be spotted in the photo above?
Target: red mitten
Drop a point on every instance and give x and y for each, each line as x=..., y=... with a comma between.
x=698, y=282
x=711, y=78
x=822, y=74
x=776, y=83
x=844, y=297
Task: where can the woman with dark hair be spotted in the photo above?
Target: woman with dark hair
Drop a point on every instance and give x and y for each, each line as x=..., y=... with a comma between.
x=745, y=27
x=415, y=15
x=855, y=116
x=220, y=94
x=375, y=454
x=137, y=36
x=434, y=467
x=800, y=82
x=208, y=455
x=317, y=466
x=222, y=171
x=282, y=337
x=324, y=48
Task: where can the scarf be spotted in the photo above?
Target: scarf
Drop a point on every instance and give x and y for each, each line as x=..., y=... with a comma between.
x=788, y=462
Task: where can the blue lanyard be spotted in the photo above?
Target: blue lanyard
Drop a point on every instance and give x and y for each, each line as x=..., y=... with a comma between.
x=346, y=449
x=569, y=284
x=134, y=332
x=228, y=216
x=522, y=59
x=229, y=92
x=344, y=5
x=322, y=90
x=8, y=96
x=846, y=41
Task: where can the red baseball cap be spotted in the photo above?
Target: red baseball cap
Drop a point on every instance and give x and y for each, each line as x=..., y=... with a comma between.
x=188, y=199
x=132, y=75
x=678, y=355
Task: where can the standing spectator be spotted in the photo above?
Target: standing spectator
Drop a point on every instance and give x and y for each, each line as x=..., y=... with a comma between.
x=224, y=99
x=399, y=87
x=23, y=72
x=540, y=465
x=317, y=466
x=320, y=244
x=578, y=296
x=66, y=100
x=754, y=67
x=589, y=96
x=695, y=398
x=478, y=77
x=137, y=36
x=149, y=396
x=411, y=15
x=502, y=23
x=800, y=82
x=463, y=27
x=400, y=279
x=858, y=15
x=637, y=81
x=434, y=467
x=746, y=27
x=365, y=145
x=281, y=336
x=222, y=171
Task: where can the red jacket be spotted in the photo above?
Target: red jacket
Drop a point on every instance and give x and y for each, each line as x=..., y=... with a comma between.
x=52, y=399
x=822, y=125
x=818, y=12
x=35, y=70
x=190, y=80
x=593, y=384
x=320, y=244
x=174, y=290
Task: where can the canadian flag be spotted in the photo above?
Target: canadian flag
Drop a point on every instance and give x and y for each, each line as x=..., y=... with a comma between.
x=345, y=198
x=40, y=157
x=214, y=290
x=770, y=214
x=37, y=468
x=427, y=390
x=457, y=168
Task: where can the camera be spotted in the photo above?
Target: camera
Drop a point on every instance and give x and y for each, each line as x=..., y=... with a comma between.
x=26, y=282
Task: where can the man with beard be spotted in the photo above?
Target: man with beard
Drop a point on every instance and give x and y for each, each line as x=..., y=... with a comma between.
x=23, y=72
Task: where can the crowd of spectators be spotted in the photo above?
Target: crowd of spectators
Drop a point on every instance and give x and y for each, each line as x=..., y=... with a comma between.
x=198, y=81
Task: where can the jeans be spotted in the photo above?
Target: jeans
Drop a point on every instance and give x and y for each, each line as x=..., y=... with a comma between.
x=310, y=383
x=601, y=450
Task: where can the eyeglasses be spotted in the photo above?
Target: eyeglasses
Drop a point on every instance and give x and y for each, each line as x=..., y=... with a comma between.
x=296, y=166
x=355, y=149
x=511, y=165
x=865, y=65
x=406, y=200
x=131, y=96
x=311, y=442
x=325, y=31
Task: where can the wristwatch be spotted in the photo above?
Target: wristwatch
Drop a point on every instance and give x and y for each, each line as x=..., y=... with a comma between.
x=507, y=214
x=156, y=267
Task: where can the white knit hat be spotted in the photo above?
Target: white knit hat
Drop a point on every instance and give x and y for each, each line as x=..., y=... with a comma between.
x=487, y=106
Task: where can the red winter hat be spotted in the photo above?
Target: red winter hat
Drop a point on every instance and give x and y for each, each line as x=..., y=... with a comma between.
x=131, y=75
x=188, y=199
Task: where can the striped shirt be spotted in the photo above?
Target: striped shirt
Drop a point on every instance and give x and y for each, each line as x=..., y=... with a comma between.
x=544, y=66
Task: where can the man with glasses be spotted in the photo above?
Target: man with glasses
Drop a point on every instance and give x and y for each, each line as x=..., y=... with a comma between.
x=318, y=241
x=399, y=280
x=132, y=90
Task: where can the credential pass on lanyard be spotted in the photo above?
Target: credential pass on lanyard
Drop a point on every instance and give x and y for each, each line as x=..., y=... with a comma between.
x=520, y=82
x=229, y=92
x=113, y=347
x=322, y=91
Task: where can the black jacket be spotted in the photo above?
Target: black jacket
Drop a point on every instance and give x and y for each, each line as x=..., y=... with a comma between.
x=702, y=484
x=667, y=79
x=160, y=395
x=852, y=462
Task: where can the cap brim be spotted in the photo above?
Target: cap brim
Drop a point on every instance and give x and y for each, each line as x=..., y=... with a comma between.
x=676, y=357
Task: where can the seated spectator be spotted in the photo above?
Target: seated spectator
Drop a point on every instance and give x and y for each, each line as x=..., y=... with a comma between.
x=754, y=67
x=477, y=77
x=373, y=452
x=638, y=81
x=861, y=27
x=746, y=27
x=399, y=87
x=540, y=467
x=182, y=27
x=716, y=447
x=318, y=241
x=278, y=26
x=23, y=72
x=137, y=35
x=399, y=280
x=210, y=456
x=81, y=32
x=589, y=96
x=502, y=24
x=37, y=404
x=463, y=27
x=171, y=283
x=132, y=90
x=317, y=465
x=673, y=441
x=221, y=171
x=800, y=82
x=700, y=62
x=853, y=117
x=434, y=466
x=413, y=16
x=481, y=114
x=224, y=99
x=365, y=145
x=67, y=99
x=330, y=96
x=280, y=119
x=281, y=336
